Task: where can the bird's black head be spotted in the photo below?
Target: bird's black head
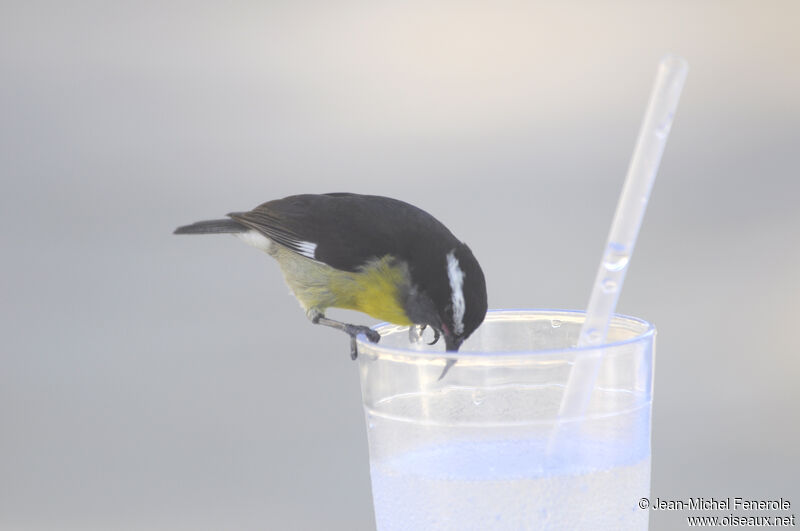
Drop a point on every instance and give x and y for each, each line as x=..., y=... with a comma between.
x=450, y=296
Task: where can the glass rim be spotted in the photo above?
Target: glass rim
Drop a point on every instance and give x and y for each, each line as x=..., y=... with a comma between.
x=648, y=331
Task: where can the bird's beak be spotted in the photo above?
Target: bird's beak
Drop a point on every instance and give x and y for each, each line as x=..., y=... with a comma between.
x=452, y=343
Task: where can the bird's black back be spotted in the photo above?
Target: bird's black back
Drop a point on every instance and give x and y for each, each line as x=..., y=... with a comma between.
x=351, y=229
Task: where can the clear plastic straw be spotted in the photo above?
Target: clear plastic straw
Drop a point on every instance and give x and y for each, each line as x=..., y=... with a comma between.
x=642, y=171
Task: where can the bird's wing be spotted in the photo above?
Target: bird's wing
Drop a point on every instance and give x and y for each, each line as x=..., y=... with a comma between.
x=275, y=228
x=344, y=231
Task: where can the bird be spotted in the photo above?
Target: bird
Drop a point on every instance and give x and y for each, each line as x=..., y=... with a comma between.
x=377, y=255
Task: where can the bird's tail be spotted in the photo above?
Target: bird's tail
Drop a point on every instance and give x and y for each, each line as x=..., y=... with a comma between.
x=212, y=226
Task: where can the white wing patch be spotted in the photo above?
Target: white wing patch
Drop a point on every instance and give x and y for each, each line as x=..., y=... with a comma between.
x=259, y=241
x=306, y=249
x=456, y=276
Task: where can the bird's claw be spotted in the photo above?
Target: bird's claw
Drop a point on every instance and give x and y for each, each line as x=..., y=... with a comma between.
x=353, y=331
x=436, y=336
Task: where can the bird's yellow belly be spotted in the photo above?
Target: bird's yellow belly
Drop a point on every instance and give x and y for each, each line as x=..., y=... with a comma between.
x=374, y=290
x=378, y=301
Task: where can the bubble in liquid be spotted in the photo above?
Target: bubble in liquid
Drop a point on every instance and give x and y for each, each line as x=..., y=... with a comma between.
x=478, y=396
x=615, y=260
x=556, y=323
x=662, y=130
x=609, y=286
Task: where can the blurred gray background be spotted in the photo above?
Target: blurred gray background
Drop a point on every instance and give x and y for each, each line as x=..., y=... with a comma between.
x=151, y=382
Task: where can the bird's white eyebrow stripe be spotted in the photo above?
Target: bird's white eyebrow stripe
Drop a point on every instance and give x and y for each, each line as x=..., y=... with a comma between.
x=456, y=276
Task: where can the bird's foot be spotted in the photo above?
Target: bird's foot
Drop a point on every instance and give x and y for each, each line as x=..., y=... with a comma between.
x=317, y=317
x=422, y=328
x=354, y=331
x=436, y=336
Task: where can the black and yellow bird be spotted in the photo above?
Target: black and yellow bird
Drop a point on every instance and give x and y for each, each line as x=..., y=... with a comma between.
x=377, y=255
